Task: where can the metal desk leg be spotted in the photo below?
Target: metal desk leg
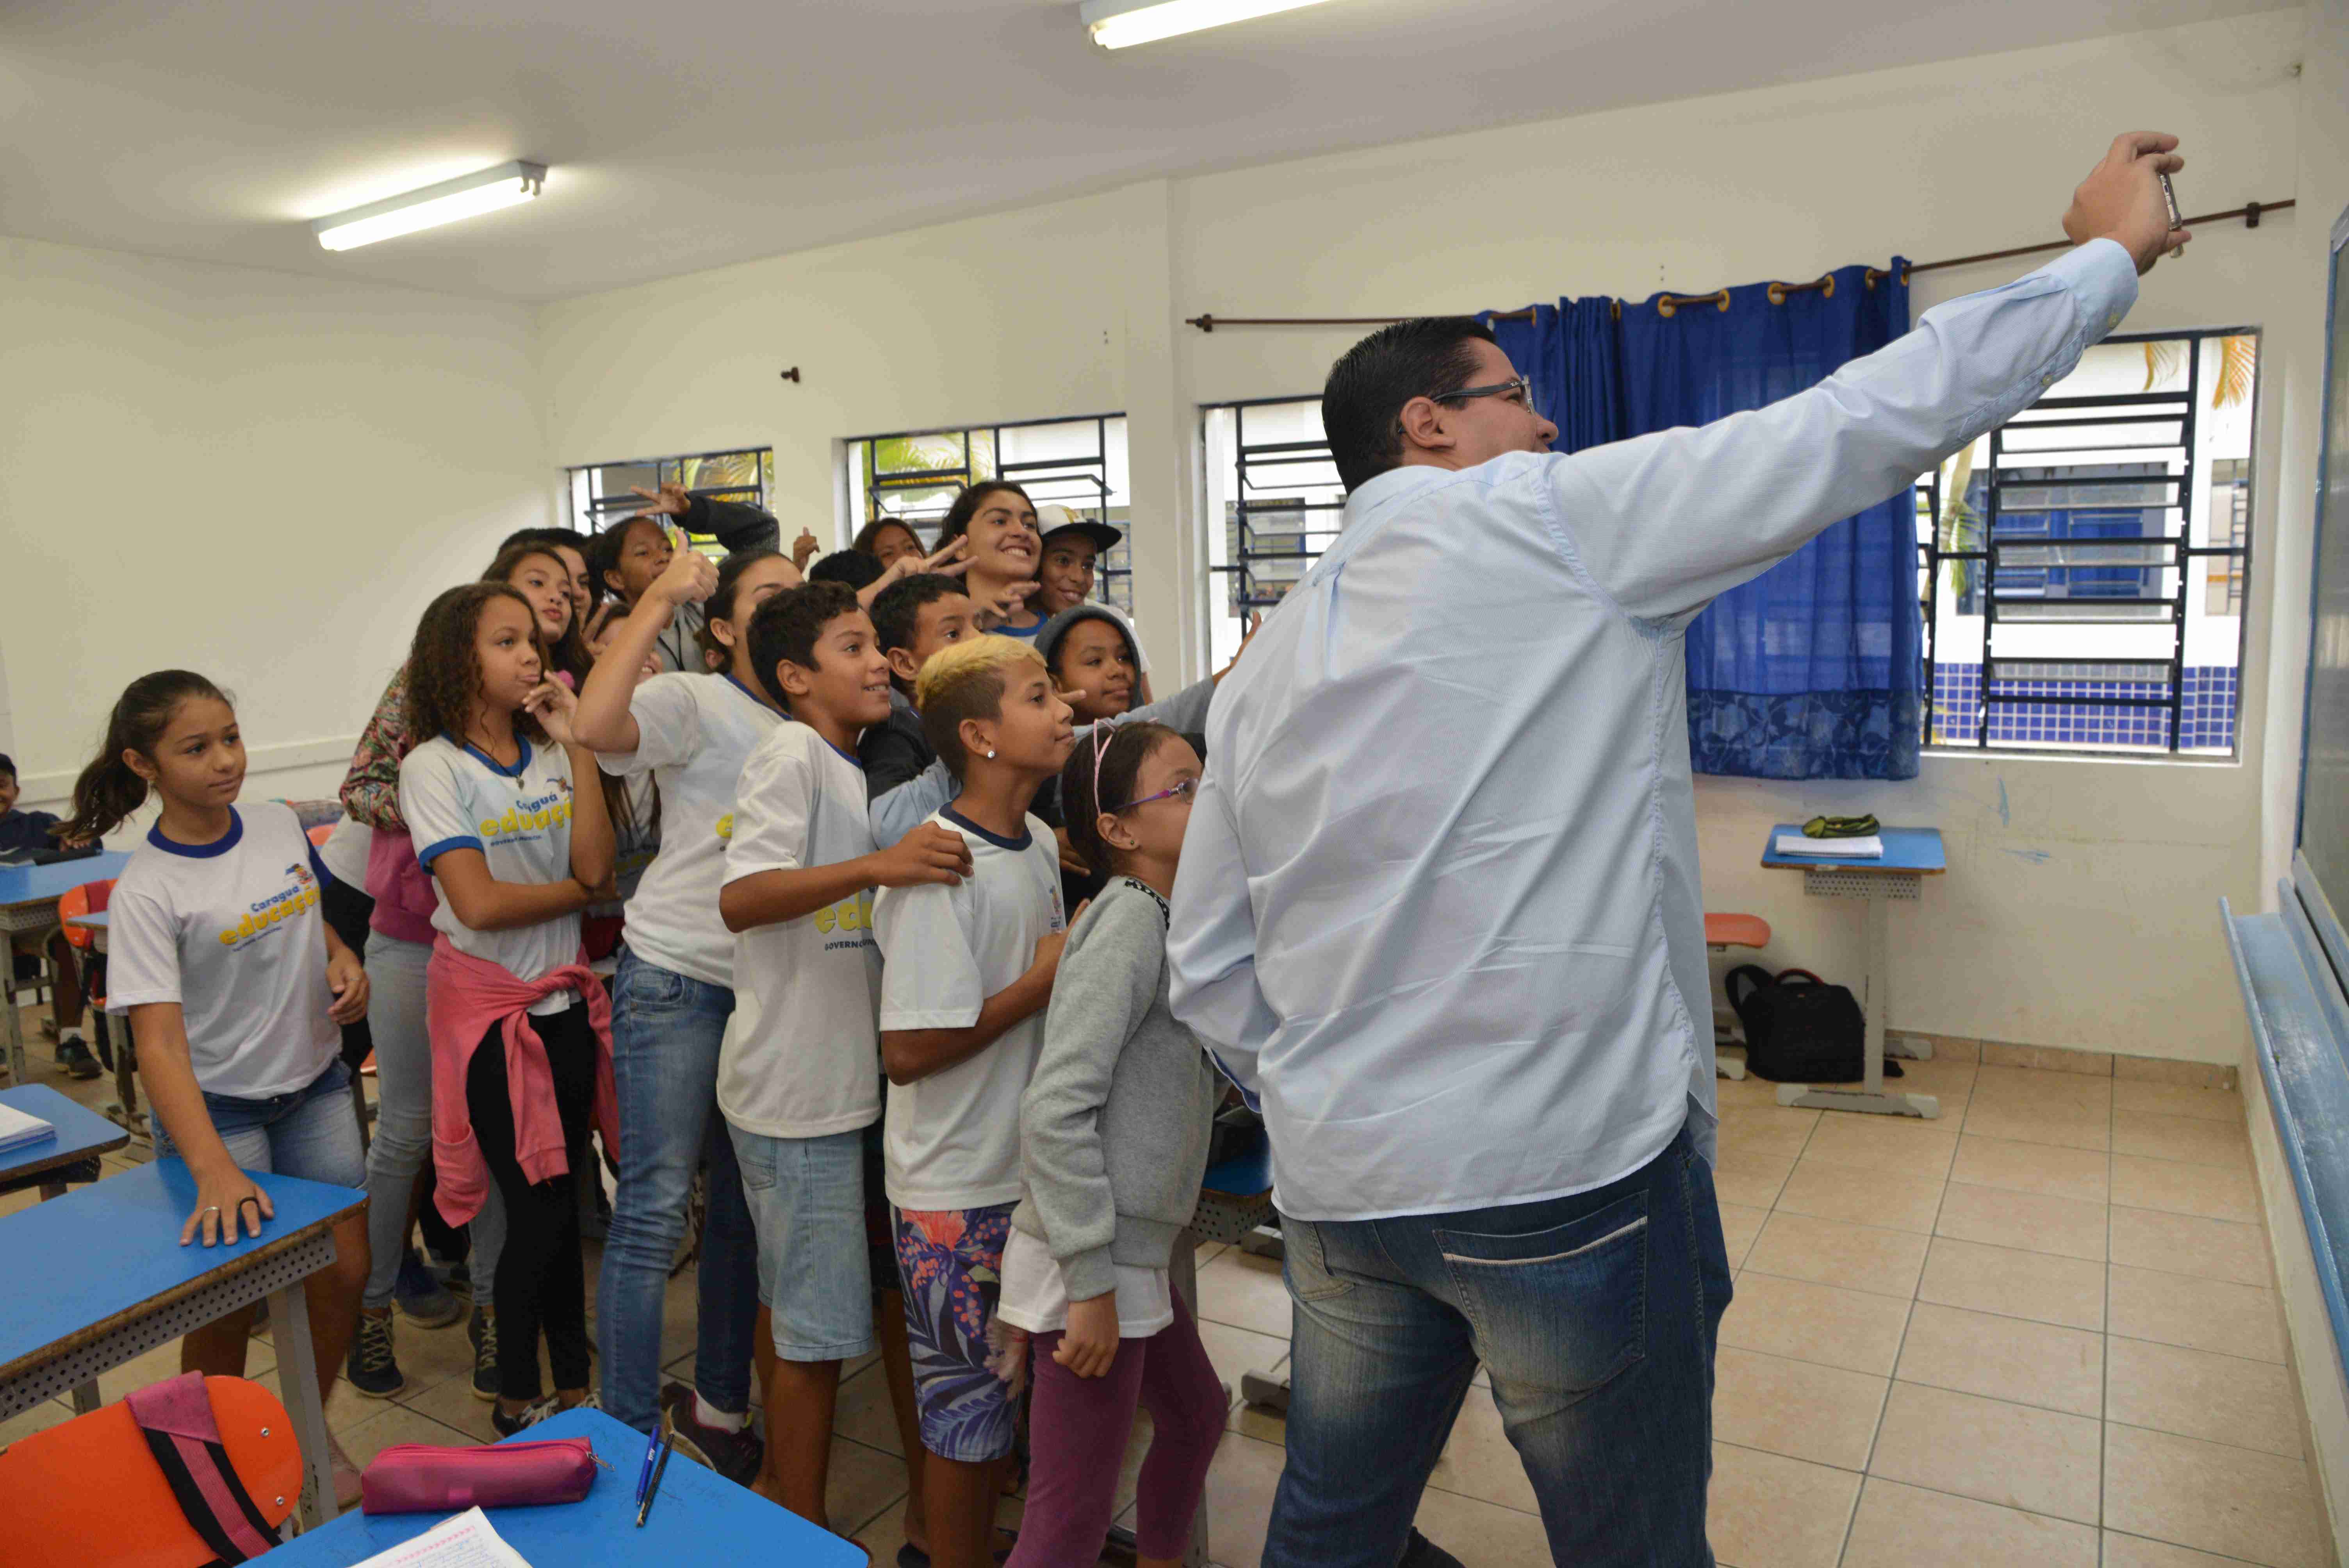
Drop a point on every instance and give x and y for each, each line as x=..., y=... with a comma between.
x=84, y=1395
x=12, y=1029
x=1876, y=1001
x=289, y=1318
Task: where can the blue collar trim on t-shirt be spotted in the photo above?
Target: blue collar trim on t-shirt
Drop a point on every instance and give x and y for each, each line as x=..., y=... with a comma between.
x=493, y=764
x=219, y=846
x=852, y=757
x=739, y=683
x=997, y=840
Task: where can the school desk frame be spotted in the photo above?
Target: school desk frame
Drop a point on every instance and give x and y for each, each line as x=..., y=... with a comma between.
x=1910, y=855
x=28, y=905
x=144, y=1210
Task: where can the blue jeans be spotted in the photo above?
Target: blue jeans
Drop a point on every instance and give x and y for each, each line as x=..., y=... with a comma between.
x=665, y=1031
x=311, y=1133
x=1596, y=1315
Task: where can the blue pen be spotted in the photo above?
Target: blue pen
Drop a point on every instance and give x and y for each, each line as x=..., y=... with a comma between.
x=645, y=1473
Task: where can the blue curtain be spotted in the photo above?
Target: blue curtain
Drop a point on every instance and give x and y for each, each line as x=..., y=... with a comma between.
x=1815, y=669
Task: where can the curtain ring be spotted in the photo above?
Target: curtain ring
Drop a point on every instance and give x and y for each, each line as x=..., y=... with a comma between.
x=1725, y=300
x=1664, y=307
x=1777, y=293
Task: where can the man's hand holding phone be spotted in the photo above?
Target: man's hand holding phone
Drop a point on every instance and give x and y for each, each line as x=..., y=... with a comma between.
x=2122, y=200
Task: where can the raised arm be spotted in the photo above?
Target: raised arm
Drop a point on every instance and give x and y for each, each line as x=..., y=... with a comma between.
x=898, y=812
x=604, y=721
x=1667, y=521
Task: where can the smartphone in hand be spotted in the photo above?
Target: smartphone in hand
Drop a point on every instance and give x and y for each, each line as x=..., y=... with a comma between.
x=2169, y=197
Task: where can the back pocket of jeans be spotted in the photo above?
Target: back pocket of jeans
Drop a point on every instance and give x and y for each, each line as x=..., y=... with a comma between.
x=1563, y=1309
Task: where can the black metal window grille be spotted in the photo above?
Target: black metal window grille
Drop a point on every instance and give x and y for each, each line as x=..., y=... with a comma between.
x=913, y=475
x=2108, y=549
x=605, y=494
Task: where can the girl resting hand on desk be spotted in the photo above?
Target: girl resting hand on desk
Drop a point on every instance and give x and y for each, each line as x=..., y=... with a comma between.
x=236, y=989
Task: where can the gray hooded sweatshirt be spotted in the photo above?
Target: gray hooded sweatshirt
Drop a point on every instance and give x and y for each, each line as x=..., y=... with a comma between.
x=1113, y=1128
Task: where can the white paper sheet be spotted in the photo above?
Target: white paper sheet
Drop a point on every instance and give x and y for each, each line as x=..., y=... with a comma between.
x=1871, y=848
x=462, y=1541
x=19, y=1126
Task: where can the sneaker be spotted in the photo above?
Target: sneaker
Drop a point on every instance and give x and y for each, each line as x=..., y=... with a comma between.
x=532, y=1415
x=482, y=1330
x=737, y=1456
x=421, y=1298
x=74, y=1058
x=371, y=1367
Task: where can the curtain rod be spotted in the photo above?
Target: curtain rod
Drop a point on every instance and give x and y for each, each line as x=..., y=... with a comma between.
x=2251, y=213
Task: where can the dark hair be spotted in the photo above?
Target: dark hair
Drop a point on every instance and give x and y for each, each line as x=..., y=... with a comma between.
x=8, y=765
x=853, y=567
x=562, y=539
x=604, y=550
x=1083, y=791
x=868, y=538
x=1361, y=404
x=720, y=605
x=1078, y=617
x=568, y=652
x=967, y=504
x=108, y=791
x=787, y=626
x=897, y=609
x=444, y=675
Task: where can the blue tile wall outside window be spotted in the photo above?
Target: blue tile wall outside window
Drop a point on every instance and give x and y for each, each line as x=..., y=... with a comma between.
x=2208, y=722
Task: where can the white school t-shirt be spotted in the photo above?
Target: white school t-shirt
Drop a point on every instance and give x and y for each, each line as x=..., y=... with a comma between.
x=230, y=930
x=694, y=732
x=952, y=1137
x=802, y=1058
x=457, y=797
x=1036, y=1294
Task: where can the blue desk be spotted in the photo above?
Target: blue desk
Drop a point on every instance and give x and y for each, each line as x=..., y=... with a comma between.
x=79, y=1134
x=28, y=902
x=1910, y=855
x=698, y=1518
x=114, y=1283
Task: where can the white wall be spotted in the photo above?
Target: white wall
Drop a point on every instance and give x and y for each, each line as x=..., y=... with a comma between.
x=256, y=475
x=2079, y=906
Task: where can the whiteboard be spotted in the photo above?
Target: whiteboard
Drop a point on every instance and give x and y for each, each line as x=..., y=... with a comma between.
x=2324, y=756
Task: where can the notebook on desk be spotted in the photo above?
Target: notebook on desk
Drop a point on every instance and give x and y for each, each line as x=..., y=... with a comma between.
x=1871, y=848
x=18, y=1127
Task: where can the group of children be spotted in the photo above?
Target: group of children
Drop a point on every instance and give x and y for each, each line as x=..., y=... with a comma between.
x=913, y=819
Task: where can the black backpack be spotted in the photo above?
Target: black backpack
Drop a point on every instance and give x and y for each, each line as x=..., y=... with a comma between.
x=1798, y=1028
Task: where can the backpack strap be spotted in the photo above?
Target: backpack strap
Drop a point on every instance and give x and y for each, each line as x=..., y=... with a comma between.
x=175, y=1417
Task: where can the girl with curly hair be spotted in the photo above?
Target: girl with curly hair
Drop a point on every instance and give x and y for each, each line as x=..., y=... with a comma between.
x=498, y=803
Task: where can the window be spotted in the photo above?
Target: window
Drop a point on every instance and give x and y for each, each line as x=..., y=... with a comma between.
x=1078, y=463
x=603, y=493
x=2081, y=591
x=1271, y=483
x=2081, y=567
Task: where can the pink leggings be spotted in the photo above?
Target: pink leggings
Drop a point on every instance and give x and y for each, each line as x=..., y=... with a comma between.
x=1077, y=1429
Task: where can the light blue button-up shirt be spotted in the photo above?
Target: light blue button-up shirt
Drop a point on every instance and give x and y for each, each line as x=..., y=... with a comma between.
x=1439, y=907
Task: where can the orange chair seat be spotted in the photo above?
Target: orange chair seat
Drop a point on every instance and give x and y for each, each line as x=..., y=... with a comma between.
x=89, y=1491
x=1737, y=930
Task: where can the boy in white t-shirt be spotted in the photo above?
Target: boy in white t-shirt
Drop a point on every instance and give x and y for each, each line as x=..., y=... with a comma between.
x=799, y=1076
x=967, y=970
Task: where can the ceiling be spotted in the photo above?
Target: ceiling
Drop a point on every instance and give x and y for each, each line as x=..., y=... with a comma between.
x=688, y=134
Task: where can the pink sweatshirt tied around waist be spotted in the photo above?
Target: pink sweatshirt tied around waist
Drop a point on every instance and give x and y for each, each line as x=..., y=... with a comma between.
x=464, y=998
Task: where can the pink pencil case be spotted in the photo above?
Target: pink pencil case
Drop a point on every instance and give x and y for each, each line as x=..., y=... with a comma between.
x=419, y=1478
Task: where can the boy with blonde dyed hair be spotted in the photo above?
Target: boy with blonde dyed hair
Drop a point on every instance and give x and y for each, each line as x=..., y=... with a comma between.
x=966, y=970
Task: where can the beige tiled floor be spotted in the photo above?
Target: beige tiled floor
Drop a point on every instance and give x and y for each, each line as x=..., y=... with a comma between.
x=2037, y=1331
x=2084, y=1365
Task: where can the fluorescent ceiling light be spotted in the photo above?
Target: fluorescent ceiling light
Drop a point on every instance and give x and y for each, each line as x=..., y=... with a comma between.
x=507, y=185
x=1120, y=23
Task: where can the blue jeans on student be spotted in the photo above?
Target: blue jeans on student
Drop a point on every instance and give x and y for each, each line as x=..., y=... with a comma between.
x=311, y=1132
x=665, y=1031
x=1596, y=1315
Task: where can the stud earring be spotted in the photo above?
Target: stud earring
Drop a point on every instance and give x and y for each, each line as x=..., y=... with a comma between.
x=990, y=754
